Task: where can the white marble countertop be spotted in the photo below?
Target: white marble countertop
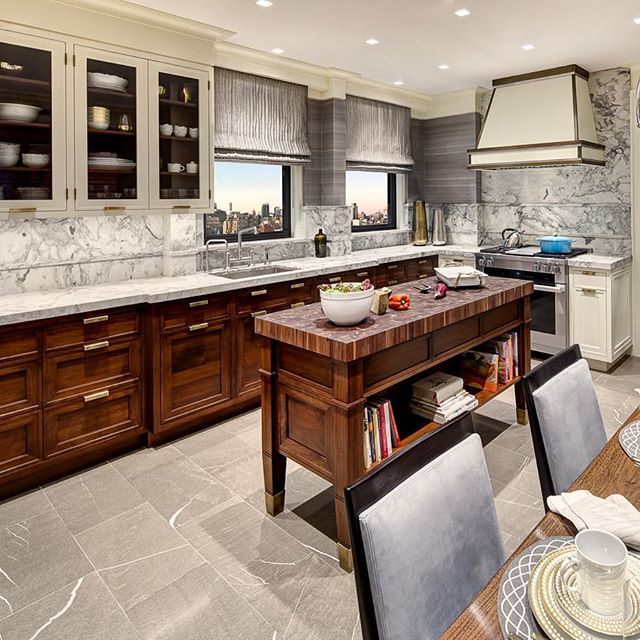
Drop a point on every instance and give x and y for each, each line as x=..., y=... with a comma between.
x=24, y=307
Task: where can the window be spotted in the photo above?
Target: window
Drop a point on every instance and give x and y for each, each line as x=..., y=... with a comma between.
x=247, y=195
x=372, y=195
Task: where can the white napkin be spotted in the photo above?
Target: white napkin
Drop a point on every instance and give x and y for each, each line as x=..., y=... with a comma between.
x=614, y=514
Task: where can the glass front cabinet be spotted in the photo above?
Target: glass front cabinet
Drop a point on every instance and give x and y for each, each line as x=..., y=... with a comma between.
x=111, y=131
x=179, y=167
x=32, y=124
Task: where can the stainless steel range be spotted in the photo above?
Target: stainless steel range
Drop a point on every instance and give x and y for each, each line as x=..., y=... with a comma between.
x=550, y=299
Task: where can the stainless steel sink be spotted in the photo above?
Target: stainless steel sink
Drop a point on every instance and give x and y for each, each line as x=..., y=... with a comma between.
x=252, y=272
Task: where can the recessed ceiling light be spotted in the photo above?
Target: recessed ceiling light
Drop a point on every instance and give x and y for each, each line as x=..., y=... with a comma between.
x=528, y=47
x=398, y=83
x=461, y=13
x=264, y=3
x=278, y=51
x=443, y=67
x=637, y=20
x=371, y=41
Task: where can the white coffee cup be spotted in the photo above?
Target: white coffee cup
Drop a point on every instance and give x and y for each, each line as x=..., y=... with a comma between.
x=193, y=132
x=175, y=167
x=192, y=167
x=179, y=131
x=166, y=129
x=600, y=562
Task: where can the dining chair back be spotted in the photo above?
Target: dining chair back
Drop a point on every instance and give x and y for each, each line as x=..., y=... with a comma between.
x=566, y=423
x=424, y=534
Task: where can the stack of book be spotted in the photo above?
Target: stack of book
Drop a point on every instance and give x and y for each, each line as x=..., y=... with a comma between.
x=440, y=397
x=380, y=431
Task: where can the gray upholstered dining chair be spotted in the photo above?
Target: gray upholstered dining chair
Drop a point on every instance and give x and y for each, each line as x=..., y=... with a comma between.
x=424, y=535
x=566, y=423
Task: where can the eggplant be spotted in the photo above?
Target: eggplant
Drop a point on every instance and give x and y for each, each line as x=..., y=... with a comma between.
x=441, y=291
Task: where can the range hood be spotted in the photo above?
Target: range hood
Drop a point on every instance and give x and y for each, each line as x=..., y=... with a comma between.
x=539, y=119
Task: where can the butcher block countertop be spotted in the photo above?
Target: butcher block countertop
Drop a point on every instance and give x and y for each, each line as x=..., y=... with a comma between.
x=308, y=328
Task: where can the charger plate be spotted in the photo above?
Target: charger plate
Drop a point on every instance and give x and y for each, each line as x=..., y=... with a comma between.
x=629, y=439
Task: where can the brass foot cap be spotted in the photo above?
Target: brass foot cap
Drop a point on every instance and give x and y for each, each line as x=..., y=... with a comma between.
x=274, y=504
x=345, y=559
x=522, y=416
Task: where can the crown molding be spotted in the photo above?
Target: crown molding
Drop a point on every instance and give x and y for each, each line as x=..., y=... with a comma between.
x=150, y=18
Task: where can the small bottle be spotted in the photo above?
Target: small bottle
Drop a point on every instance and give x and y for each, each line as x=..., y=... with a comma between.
x=320, y=241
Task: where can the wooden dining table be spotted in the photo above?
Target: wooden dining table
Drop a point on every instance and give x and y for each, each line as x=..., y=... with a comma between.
x=612, y=471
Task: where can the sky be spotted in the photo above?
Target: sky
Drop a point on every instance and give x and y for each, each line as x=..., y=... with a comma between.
x=248, y=186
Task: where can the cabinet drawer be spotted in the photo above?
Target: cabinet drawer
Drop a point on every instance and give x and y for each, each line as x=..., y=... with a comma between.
x=275, y=295
x=185, y=313
x=20, y=442
x=71, y=374
x=586, y=278
x=18, y=343
x=92, y=327
x=388, y=275
x=419, y=268
x=355, y=275
x=19, y=387
x=91, y=419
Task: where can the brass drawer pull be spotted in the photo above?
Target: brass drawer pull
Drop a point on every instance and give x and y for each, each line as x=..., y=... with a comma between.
x=113, y=209
x=336, y=279
x=589, y=290
x=362, y=274
x=423, y=261
x=97, y=395
x=423, y=275
x=181, y=206
x=198, y=303
x=393, y=282
x=197, y=327
x=297, y=285
x=259, y=292
x=95, y=319
x=392, y=266
x=19, y=212
x=296, y=305
x=262, y=312
x=587, y=273
x=96, y=345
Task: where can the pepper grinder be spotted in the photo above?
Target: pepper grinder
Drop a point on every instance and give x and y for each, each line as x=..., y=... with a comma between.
x=439, y=233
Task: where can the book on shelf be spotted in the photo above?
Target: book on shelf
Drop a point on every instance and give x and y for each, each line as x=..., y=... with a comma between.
x=437, y=386
x=466, y=402
x=479, y=370
x=380, y=434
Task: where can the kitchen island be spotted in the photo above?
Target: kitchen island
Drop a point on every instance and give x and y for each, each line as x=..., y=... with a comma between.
x=317, y=377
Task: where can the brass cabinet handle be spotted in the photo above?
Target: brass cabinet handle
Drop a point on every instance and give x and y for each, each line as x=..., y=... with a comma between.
x=423, y=275
x=423, y=261
x=392, y=266
x=196, y=327
x=590, y=290
x=393, y=282
x=118, y=208
x=21, y=210
x=96, y=395
x=96, y=345
x=181, y=206
x=587, y=273
x=259, y=292
x=336, y=279
x=198, y=303
x=262, y=312
x=95, y=319
x=362, y=274
x=296, y=305
x=297, y=285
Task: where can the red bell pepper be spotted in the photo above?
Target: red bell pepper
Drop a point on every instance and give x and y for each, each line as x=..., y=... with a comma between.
x=400, y=302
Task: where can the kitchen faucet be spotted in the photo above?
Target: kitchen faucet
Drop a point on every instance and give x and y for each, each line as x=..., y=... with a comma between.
x=241, y=259
x=226, y=252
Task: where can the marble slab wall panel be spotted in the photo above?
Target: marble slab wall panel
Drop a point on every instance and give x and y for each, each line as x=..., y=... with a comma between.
x=289, y=249
x=363, y=240
x=461, y=222
x=50, y=253
x=336, y=223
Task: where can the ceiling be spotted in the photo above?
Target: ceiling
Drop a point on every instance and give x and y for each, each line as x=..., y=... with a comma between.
x=416, y=36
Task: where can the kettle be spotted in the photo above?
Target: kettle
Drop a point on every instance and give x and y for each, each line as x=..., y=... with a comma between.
x=512, y=238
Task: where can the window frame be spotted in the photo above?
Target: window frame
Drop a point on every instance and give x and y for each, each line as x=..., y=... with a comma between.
x=287, y=171
x=392, y=206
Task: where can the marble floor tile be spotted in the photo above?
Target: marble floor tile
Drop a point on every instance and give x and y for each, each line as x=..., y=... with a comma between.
x=23, y=508
x=81, y=610
x=199, y=606
x=91, y=497
x=37, y=557
x=132, y=535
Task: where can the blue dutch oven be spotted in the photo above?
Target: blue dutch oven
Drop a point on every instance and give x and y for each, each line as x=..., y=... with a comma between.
x=555, y=244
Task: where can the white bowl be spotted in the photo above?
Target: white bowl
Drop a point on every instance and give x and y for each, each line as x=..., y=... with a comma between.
x=100, y=126
x=18, y=112
x=193, y=132
x=9, y=147
x=106, y=80
x=166, y=129
x=179, y=131
x=8, y=161
x=35, y=160
x=346, y=309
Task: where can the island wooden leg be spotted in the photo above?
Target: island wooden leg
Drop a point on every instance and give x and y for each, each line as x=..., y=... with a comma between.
x=274, y=464
x=524, y=360
x=521, y=405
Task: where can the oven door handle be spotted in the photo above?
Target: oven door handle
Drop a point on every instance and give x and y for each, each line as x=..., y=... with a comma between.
x=559, y=288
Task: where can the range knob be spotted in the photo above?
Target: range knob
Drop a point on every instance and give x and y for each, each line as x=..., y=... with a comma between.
x=536, y=266
x=481, y=263
x=546, y=267
x=556, y=268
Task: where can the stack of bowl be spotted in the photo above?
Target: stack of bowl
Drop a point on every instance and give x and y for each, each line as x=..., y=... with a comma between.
x=99, y=118
x=9, y=154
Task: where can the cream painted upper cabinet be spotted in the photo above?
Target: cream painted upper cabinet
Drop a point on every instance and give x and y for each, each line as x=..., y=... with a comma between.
x=179, y=165
x=32, y=124
x=111, y=131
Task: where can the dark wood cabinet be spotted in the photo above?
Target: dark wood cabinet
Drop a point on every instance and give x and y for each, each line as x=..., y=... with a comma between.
x=389, y=275
x=19, y=387
x=20, y=442
x=419, y=268
x=195, y=370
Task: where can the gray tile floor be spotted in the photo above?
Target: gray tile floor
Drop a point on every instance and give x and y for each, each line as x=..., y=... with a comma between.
x=173, y=543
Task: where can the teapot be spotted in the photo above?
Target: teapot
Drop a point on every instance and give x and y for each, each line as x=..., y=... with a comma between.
x=512, y=238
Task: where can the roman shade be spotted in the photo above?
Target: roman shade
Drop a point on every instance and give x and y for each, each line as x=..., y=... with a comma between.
x=378, y=136
x=258, y=119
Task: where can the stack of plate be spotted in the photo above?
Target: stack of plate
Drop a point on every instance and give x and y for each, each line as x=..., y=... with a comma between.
x=99, y=118
x=561, y=613
x=629, y=439
x=33, y=193
x=106, y=81
x=110, y=162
